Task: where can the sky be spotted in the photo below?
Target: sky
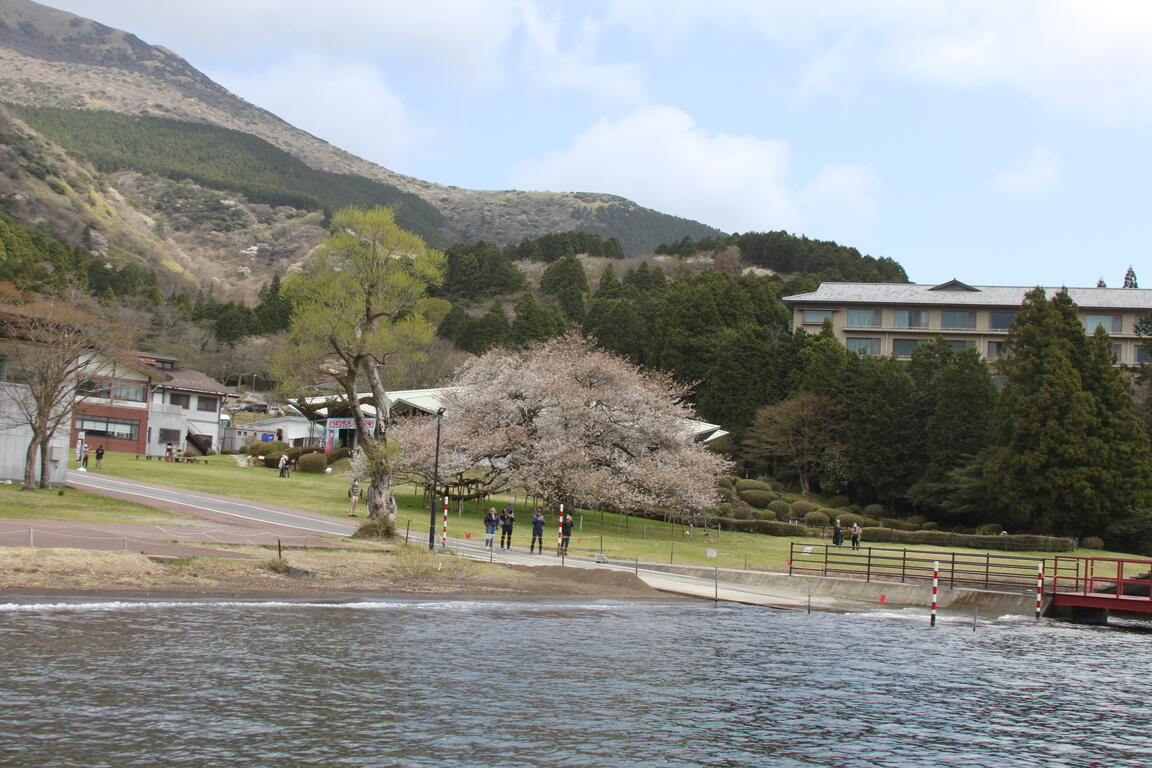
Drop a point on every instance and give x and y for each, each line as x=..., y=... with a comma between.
x=998, y=143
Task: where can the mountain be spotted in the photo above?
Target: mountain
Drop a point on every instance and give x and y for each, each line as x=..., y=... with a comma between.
x=88, y=79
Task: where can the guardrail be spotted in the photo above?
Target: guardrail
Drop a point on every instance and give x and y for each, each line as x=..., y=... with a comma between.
x=972, y=570
x=1102, y=577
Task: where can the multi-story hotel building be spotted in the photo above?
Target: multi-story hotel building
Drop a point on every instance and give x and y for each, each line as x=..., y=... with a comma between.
x=885, y=319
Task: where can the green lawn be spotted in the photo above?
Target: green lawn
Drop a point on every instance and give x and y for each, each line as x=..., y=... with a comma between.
x=618, y=536
x=74, y=505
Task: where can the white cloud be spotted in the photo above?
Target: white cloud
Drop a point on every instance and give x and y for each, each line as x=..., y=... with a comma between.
x=1033, y=172
x=347, y=104
x=659, y=158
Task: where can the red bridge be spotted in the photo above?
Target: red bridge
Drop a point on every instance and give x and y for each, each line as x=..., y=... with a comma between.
x=1100, y=584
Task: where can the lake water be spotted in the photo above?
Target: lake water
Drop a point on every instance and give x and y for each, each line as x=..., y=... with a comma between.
x=596, y=684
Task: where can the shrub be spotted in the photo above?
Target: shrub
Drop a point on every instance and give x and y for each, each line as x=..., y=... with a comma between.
x=263, y=449
x=875, y=510
x=228, y=452
x=917, y=519
x=277, y=565
x=759, y=499
x=300, y=450
x=989, y=529
x=929, y=526
x=815, y=519
x=800, y=508
x=1023, y=543
x=781, y=508
x=722, y=510
x=1092, y=542
x=312, y=462
x=379, y=528
x=848, y=518
x=743, y=513
x=336, y=455
x=272, y=460
x=211, y=452
x=899, y=525
x=838, y=501
x=769, y=527
x=752, y=485
x=866, y=521
x=724, y=482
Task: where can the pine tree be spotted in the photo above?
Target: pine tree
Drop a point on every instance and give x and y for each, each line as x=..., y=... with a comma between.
x=609, y=287
x=532, y=323
x=1130, y=278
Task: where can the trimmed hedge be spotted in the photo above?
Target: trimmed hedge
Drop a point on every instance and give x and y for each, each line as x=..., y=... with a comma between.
x=752, y=485
x=838, y=501
x=334, y=456
x=312, y=462
x=781, y=508
x=769, y=527
x=263, y=449
x=801, y=507
x=816, y=519
x=899, y=525
x=300, y=450
x=1020, y=543
x=760, y=499
x=724, y=482
x=875, y=510
x=272, y=460
x=1092, y=542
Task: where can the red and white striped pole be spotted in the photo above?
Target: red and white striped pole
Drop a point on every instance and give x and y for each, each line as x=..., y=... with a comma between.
x=444, y=535
x=935, y=589
x=560, y=530
x=1039, y=588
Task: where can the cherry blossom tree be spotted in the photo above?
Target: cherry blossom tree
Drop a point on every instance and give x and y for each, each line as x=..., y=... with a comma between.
x=570, y=424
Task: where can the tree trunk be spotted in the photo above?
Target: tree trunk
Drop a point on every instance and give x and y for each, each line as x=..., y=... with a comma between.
x=30, y=463
x=381, y=503
x=44, y=472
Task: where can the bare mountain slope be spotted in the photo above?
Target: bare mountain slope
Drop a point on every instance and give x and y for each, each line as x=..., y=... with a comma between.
x=53, y=58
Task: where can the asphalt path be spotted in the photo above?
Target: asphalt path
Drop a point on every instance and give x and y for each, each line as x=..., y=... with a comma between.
x=206, y=505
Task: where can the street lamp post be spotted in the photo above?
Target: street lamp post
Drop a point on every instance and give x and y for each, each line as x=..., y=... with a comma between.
x=435, y=485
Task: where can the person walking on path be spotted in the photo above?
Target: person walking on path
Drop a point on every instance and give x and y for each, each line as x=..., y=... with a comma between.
x=491, y=520
x=353, y=497
x=838, y=534
x=283, y=465
x=856, y=531
x=565, y=534
x=537, y=531
x=84, y=460
x=100, y=456
x=507, y=520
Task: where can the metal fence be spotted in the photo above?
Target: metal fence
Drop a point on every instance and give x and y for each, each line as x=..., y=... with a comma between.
x=973, y=570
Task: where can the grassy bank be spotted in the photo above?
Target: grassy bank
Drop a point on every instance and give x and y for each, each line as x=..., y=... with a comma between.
x=77, y=506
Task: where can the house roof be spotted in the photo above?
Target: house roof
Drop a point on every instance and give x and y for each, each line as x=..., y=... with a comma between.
x=188, y=380
x=958, y=294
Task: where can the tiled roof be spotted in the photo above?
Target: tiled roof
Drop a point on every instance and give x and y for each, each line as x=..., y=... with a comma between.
x=983, y=296
x=188, y=380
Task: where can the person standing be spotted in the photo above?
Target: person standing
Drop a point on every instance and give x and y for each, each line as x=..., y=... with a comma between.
x=100, y=456
x=84, y=460
x=283, y=465
x=353, y=497
x=491, y=520
x=565, y=534
x=838, y=534
x=168, y=452
x=507, y=520
x=856, y=533
x=537, y=531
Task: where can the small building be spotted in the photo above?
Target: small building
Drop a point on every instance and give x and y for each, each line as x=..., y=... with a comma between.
x=184, y=408
x=113, y=408
x=892, y=319
x=294, y=430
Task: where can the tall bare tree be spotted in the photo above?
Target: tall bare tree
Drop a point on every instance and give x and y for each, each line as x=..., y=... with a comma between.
x=48, y=346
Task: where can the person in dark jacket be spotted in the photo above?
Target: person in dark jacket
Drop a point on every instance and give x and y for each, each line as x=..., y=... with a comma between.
x=100, y=456
x=838, y=534
x=565, y=534
x=491, y=520
x=507, y=520
x=537, y=532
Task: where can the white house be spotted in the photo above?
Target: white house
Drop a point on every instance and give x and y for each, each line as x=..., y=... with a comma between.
x=294, y=430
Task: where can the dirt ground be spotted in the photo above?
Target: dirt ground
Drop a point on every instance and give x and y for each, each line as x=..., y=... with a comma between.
x=302, y=575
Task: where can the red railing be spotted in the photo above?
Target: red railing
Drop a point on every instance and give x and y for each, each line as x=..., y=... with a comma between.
x=1101, y=578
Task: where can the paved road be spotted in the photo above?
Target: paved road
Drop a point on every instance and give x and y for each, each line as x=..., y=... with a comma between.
x=208, y=506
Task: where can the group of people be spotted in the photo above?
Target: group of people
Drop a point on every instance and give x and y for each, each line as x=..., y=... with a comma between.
x=82, y=451
x=506, y=520
x=838, y=534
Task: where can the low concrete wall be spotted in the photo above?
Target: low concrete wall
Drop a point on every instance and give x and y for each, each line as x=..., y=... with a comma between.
x=865, y=595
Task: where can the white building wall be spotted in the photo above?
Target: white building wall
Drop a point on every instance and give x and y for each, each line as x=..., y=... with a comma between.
x=14, y=445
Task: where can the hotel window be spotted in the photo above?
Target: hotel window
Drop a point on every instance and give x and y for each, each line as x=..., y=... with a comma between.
x=816, y=316
x=1110, y=323
x=864, y=318
x=184, y=401
x=868, y=347
x=911, y=318
x=99, y=426
x=951, y=319
x=997, y=349
x=904, y=347
x=1117, y=353
x=1000, y=321
x=958, y=344
x=129, y=390
x=207, y=403
x=1141, y=354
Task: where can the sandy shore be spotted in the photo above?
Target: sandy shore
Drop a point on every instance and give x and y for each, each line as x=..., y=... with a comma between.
x=302, y=575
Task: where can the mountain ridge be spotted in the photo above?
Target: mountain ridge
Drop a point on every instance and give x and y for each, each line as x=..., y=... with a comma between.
x=54, y=58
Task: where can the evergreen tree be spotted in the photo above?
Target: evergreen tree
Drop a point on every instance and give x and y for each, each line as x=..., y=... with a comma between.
x=533, y=323
x=565, y=272
x=1130, y=278
x=609, y=287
